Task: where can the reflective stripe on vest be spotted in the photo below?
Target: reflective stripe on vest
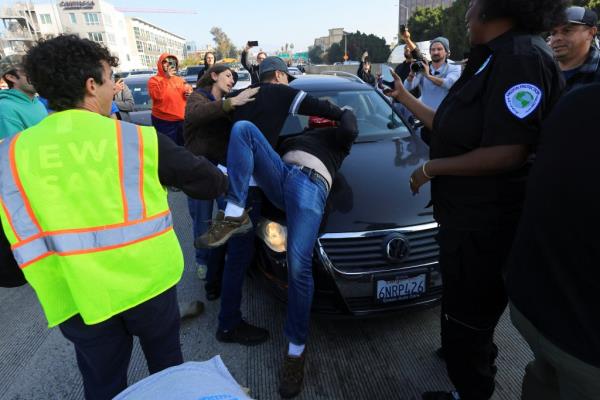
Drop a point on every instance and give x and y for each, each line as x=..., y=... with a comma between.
x=131, y=158
x=33, y=244
x=87, y=241
x=10, y=191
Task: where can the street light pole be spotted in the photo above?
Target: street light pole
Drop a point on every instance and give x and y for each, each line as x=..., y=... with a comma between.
x=345, y=44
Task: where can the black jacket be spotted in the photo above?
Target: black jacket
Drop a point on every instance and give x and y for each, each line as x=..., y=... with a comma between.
x=330, y=145
x=274, y=103
x=253, y=69
x=553, y=277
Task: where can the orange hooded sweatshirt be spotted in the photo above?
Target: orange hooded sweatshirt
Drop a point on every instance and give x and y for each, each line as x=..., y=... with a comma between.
x=168, y=94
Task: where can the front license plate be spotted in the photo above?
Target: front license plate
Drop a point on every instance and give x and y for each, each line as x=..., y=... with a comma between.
x=400, y=289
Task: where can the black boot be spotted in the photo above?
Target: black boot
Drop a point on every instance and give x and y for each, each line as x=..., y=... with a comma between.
x=292, y=376
x=244, y=334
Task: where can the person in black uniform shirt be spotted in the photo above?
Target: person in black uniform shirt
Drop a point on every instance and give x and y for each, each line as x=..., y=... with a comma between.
x=482, y=136
x=553, y=276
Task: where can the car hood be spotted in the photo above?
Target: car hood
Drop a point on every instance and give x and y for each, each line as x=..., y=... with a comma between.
x=371, y=191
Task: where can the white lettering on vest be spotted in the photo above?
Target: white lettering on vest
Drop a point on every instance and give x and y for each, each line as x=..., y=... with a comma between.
x=50, y=156
x=95, y=150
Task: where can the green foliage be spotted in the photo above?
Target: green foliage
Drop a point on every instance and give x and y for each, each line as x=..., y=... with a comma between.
x=426, y=23
x=358, y=42
x=223, y=45
x=315, y=55
x=335, y=54
x=454, y=28
x=594, y=5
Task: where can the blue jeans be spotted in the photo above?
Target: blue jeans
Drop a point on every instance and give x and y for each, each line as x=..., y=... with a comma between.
x=291, y=190
x=239, y=252
x=201, y=213
x=173, y=129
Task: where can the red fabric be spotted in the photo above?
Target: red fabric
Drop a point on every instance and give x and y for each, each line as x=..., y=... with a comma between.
x=318, y=122
x=168, y=94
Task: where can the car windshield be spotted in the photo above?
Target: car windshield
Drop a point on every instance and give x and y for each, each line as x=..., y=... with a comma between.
x=140, y=95
x=376, y=118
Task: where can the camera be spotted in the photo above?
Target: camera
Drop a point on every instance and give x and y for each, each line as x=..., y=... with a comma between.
x=402, y=29
x=172, y=63
x=417, y=67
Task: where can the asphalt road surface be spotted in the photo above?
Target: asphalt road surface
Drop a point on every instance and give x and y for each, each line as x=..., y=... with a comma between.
x=379, y=358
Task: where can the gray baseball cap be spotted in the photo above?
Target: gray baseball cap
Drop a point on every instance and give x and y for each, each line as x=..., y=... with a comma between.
x=581, y=16
x=274, y=64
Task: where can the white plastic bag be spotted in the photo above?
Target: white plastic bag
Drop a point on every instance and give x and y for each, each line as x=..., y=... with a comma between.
x=207, y=380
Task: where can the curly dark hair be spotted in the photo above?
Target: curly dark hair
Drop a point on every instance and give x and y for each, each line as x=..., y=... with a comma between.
x=532, y=16
x=58, y=68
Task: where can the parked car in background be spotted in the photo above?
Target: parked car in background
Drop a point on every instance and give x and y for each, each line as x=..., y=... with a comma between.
x=190, y=74
x=376, y=251
x=142, y=72
x=294, y=71
x=138, y=84
x=243, y=80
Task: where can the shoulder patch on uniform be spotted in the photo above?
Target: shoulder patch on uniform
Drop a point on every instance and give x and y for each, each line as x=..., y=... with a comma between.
x=523, y=99
x=484, y=65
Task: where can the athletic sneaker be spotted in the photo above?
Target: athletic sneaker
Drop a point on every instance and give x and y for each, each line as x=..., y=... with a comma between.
x=222, y=229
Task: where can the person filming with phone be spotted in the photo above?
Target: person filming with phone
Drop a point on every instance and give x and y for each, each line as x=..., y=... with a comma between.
x=434, y=78
x=169, y=93
x=253, y=69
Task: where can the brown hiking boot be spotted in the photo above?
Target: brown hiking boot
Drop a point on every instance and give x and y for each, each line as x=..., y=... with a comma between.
x=292, y=375
x=222, y=229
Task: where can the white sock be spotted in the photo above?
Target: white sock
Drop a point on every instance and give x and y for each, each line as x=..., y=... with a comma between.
x=295, y=350
x=233, y=211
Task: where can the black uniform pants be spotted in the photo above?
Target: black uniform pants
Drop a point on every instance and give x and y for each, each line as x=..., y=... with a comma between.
x=104, y=350
x=473, y=301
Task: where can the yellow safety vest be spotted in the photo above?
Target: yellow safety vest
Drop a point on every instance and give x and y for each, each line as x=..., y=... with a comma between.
x=86, y=216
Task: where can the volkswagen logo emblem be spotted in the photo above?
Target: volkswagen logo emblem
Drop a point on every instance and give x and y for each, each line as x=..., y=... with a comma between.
x=397, y=248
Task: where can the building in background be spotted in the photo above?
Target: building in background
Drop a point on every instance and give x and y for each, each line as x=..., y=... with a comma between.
x=137, y=43
x=151, y=41
x=21, y=27
x=408, y=7
x=335, y=36
x=190, y=48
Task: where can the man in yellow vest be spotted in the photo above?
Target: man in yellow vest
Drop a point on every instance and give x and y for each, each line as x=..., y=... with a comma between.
x=83, y=206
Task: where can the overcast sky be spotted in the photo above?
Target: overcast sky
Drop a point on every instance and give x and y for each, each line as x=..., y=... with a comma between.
x=272, y=23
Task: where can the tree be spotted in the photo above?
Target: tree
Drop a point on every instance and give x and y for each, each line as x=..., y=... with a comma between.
x=223, y=45
x=315, y=55
x=426, y=23
x=594, y=5
x=454, y=28
x=335, y=53
x=358, y=42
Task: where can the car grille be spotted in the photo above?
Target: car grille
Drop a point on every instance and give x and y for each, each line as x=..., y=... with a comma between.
x=363, y=254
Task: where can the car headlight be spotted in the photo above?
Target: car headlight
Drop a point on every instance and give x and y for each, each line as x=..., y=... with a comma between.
x=273, y=234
